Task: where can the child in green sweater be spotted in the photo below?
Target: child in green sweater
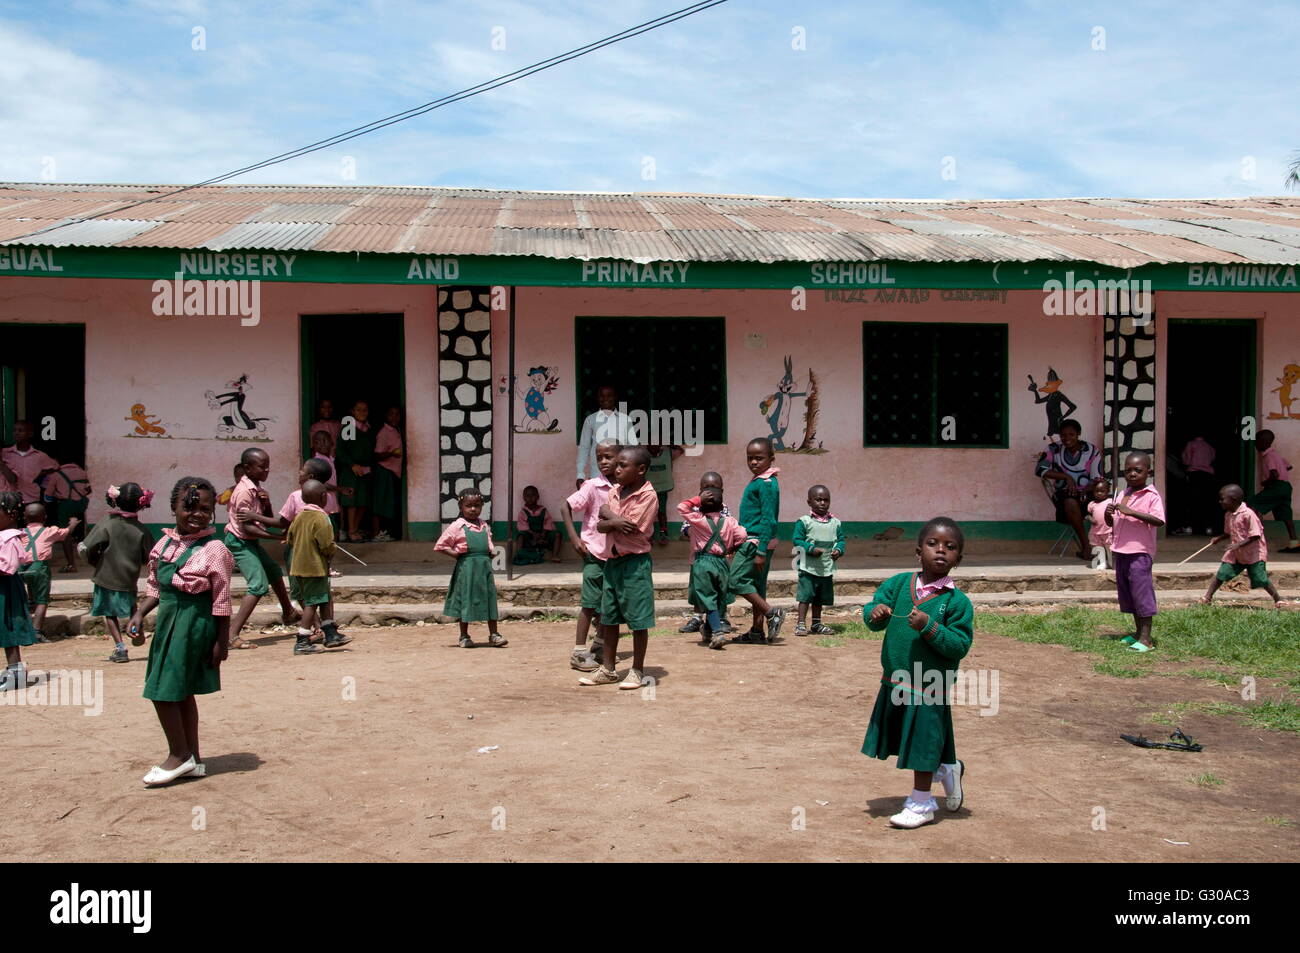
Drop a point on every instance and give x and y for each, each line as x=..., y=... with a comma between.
x=759, y=508
x=117, y=547
x=818, y=545
x=928, y=630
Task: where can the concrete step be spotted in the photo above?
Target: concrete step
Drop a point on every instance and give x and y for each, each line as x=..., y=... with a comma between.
x=671, y=612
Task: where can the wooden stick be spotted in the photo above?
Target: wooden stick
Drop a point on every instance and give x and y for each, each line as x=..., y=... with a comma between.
x=349, y=555
x=1199, y=551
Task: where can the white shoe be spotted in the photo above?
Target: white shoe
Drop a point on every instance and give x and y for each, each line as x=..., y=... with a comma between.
x=951, y=781
x=914, y=815
x=633, y=680
x=157, y=777
x=200, y=770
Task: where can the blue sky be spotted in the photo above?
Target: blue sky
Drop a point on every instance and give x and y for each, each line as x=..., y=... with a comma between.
x=904, y=99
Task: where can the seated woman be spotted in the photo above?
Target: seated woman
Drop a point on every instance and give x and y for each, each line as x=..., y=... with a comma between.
x=1072, y=464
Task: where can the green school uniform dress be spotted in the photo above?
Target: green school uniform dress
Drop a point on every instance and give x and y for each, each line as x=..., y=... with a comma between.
x=15, y=622
x=912, y=718
x=180, y=658
x=36, y=577
x=472, y=595
x=710, y=573
x=359, y=451
x=817, y=574
x=530, y=553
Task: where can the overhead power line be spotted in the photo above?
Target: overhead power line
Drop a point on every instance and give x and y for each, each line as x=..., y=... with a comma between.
x=504, y=79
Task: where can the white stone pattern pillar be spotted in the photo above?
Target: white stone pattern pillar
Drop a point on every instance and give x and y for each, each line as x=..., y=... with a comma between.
x=1133, y=372
x=465, y=394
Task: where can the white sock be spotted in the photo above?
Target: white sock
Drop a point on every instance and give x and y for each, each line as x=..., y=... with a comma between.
x=922, y=798
x=303, y=633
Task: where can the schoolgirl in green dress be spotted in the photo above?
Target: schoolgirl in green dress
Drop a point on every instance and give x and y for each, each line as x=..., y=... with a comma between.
x=189, y=584
x=354, y=461
x=15, y=624
x=928, y=628
x=472, y=594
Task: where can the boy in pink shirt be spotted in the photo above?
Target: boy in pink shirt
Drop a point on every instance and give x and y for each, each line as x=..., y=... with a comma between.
x=585, y=504
x=713, y=538
x=1275, y=487
x=1247, y=549
x=1135, y=517
x=22, y=465
x=627, y=597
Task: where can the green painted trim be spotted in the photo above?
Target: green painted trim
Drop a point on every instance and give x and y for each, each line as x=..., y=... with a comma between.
x=529, y=271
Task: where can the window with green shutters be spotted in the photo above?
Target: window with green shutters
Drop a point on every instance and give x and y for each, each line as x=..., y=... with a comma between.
x=934, y=384
x=658, y=364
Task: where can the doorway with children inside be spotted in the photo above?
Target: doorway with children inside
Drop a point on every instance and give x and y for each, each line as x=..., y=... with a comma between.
x=43, y=382
x=353, y=365
x=1210, y=390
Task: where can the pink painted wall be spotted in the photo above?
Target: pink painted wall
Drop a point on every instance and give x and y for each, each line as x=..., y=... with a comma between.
x=866, y=485
x=167, y=363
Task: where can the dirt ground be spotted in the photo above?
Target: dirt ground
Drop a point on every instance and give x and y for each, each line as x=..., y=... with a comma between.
x=732, y=752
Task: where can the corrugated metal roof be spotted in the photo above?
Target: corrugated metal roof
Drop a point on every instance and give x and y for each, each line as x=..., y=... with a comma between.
x=655, y=226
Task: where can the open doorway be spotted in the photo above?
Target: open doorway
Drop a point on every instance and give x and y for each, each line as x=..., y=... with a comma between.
x=1210, y=388
x=356, y=357
x=54, y=403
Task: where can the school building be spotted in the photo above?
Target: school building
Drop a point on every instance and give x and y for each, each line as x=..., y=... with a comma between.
x=912, y=356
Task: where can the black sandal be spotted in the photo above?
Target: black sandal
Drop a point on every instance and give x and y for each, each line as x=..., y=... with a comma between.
x=1177, y=742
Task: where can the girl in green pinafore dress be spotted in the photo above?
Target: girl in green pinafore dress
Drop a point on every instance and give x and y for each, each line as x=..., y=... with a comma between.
x=472, y=594
x=15, y=624
x=353, y=453
x=928, y=630
x=189, y=583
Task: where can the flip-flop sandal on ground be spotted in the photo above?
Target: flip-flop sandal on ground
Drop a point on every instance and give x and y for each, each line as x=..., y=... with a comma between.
x=1128, y=639
x=1177, y=742
x=240, y=643
x=1139, y=647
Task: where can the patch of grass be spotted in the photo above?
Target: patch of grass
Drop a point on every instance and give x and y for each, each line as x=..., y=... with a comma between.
x=1279, y=821
x=1269, y=715
x=1206, y=780
x=829, y=642
x=1258, y=642
x=1119, y=668
x=550, y=617
x=856, y=630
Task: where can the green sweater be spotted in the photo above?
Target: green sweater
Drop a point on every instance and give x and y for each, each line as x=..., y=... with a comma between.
x=311, y=537
x=759, y=506
x=117, y=547
x=951, y=617
x=810, y=534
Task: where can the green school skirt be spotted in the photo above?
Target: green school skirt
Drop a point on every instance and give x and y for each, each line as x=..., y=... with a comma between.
x=385, y=493
x=180, y=657
x=710, y=582
x=37, y=579
x=818, y=590
x=628, y=596
x=112, y=603
x=472, y=596
x=593, y=582
x=15, y=624
x=916, y=729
